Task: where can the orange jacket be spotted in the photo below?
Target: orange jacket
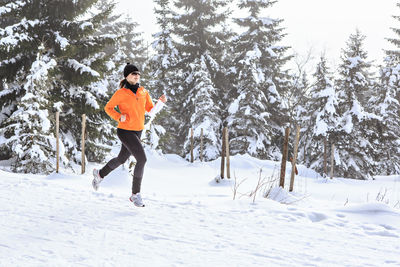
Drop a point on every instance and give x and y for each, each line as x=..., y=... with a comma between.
x=133, y=105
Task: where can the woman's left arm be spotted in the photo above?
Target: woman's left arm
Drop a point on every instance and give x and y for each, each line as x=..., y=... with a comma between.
x=159, y=105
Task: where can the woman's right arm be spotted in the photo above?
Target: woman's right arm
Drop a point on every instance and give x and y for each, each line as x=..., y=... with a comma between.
x=109, y=108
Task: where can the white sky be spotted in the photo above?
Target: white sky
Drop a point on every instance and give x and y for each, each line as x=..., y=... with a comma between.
x=322, y=25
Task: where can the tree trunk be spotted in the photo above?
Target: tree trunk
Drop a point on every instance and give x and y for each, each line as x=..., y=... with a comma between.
x=284, y=158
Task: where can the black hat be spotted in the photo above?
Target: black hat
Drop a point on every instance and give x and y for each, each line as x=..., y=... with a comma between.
x=129, y=68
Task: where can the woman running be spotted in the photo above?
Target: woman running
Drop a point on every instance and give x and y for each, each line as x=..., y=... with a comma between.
x=133, y=101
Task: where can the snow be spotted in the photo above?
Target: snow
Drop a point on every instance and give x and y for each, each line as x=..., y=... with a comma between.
x=321, y=127
x=190, y=220
x=85, y=25
x=354, y=61
x=348, y=127
x=11, y=38
x=37, y=152
x=91, y=100
x=39, y=71
x=82, y=68
x=58, y=105
x=234, y=106
x=46, y=124
x=263, y=20
x=10, y=6
x=61, y=40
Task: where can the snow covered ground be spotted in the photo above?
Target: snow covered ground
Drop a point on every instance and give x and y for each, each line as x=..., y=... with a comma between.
x=190, y=220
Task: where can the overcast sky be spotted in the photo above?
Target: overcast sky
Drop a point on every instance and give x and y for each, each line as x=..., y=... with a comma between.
x=323, y=25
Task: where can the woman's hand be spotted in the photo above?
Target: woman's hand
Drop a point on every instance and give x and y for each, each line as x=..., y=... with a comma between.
x=163, y=98
x=123, y=118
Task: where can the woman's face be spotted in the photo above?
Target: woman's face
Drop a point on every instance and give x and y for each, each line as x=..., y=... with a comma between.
x=133, y=78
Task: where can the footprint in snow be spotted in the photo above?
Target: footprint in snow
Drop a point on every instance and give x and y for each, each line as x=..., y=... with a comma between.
x=384, y=233
x=317, y=217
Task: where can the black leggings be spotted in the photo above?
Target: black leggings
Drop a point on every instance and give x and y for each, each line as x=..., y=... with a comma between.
x=131, y=145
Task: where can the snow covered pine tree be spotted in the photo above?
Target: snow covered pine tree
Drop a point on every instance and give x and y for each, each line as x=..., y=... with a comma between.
x=68, y=34
x=200, y=63
x=354, y=139
x=323, y=116
x=28, y=130
x=166, y=79
x=388, y=107
x=256, y=115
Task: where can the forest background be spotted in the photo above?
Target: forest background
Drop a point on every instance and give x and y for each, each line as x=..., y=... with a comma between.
x=68, y=56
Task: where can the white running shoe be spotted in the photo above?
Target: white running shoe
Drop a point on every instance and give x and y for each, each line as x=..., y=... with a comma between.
x=137, y=200
x=96, y=179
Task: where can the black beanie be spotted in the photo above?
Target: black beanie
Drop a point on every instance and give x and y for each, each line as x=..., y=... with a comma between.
x=129, y=68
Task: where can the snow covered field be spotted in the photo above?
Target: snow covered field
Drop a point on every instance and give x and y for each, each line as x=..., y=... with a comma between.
x=190, y=220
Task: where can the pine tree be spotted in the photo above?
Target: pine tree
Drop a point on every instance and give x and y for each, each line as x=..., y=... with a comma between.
x=132, y=46
x=69, y=36
x=28, y=130
x=395, y=53
x=200, y=43
x=257, y=115
x=354, y=141
x=165, y=80
x=9, y=88
x=129, y=46
x=388, y=100
x=299, y=114
x=323, y=116
x=387, y=106
x=115, y=59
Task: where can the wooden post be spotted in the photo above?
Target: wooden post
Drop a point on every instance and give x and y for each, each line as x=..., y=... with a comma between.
x=83, y=142
x=201, y=145
x=325, y=156
x=57, y=141
x=304, y=150
x=223, y=154
x=332, y=159
x=284, y=158
x=228, y=163
x=191, y=145
x=296, y=145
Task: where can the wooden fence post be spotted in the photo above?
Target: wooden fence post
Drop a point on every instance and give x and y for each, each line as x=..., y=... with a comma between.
x=201, y=145
x=228, y=162
x=57, y=141
x=284, y=158
x=325, y=156
x=332, y=159
x=223, y=154
x=83, y=142
x=296, y=145
x=191, y=145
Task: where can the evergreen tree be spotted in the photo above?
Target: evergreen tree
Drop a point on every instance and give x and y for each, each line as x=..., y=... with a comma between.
x=257, y=115
x=394, y=54
x=68, y=33
x=28, y=130
x=132, y=46
x=387, y=106
x=323, y=116
x=197, y=27
x=115, y=59
x=354, y=141
x=9, y=89
x=165, y=80
x=129, y=45
x=299, y=114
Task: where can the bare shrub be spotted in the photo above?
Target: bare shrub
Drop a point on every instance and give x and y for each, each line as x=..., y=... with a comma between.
x=236, y=186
